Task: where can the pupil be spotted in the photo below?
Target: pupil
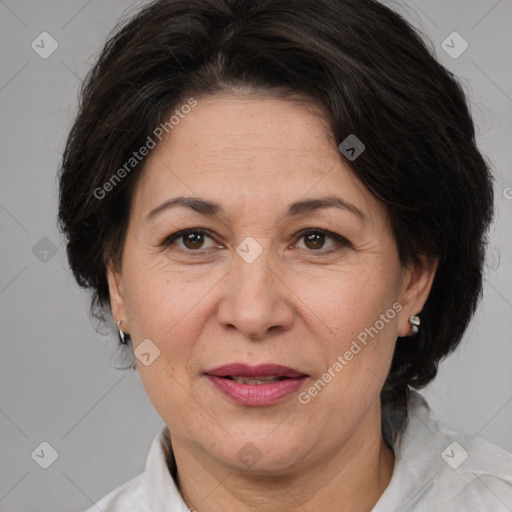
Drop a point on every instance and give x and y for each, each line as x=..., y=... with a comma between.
x=316, y=239
x=195, y=239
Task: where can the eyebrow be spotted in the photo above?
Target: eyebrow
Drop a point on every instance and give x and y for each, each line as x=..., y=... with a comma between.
x=212, y=208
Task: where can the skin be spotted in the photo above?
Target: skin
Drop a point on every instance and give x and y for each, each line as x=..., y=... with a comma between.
x=294, y=305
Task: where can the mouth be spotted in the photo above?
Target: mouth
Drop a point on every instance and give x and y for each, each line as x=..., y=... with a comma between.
x=260, y=385
x=265, y=379
x=261, y=373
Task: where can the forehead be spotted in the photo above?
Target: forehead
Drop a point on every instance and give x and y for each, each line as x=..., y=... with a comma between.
x=252, y=125
x=253, y=150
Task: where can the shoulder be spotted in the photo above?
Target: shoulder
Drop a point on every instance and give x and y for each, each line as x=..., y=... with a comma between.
x=126, y=497
x=469, y=473
x=438, y=466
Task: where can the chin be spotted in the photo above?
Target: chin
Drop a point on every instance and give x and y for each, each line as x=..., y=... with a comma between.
x=258, y=452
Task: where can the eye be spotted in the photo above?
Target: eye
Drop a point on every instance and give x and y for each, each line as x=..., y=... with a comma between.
x=314, y=240
x=192, y=240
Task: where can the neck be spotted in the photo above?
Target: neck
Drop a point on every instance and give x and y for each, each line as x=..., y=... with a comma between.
x=351, y=478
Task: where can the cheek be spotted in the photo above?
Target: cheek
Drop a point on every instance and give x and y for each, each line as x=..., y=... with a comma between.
x=357, y=356
x=167, y=306
x=159, y=308
x=358, y=313
x=346, y=302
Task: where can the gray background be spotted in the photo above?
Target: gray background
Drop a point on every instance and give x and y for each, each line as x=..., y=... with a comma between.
x=58, y=381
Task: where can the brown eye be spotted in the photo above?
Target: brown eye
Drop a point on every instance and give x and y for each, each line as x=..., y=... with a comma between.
x=193, y=240
x=315, y=240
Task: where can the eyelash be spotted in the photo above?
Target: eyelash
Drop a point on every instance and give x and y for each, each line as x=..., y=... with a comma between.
x=340, y=242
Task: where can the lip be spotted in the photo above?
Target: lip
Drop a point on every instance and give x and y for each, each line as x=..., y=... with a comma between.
x=245, y=370
x=256, y=394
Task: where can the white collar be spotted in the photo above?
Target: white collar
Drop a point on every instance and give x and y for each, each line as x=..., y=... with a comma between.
x=161, y=490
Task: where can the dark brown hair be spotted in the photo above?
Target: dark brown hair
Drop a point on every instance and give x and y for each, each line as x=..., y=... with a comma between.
x=375, y=77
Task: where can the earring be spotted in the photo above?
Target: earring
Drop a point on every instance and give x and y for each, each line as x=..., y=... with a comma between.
x=415, y=321
x=122, y=335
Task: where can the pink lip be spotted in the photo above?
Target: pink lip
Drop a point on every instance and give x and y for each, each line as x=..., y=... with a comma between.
x=245, y=370
x=256, y=394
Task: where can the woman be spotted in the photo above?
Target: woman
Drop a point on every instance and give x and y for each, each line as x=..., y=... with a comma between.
x=282, y=206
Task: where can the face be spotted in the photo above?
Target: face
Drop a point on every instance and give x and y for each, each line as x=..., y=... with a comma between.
x=270, y=273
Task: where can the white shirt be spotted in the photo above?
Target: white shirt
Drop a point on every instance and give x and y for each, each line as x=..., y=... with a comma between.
x=434, y=467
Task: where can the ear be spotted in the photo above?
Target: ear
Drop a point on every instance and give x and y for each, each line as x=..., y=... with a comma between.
x=117, y=304
x=416, y=285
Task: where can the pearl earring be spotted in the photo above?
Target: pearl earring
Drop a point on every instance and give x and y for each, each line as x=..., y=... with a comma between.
x=415, y=323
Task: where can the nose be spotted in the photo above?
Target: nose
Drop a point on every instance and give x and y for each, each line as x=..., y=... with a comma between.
x=255, y=298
